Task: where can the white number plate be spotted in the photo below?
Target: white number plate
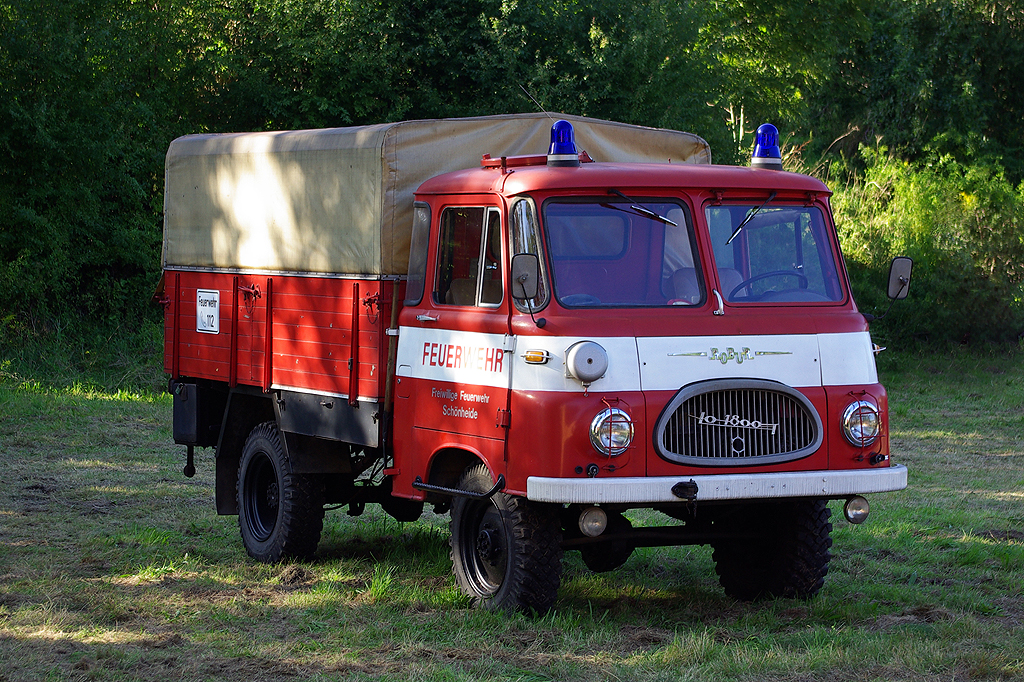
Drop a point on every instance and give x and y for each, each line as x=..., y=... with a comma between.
x=208, y=311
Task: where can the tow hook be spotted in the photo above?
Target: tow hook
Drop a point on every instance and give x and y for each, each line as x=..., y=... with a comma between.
x=686, y=490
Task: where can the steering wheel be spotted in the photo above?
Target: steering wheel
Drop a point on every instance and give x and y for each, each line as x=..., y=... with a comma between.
x=766, y=275
x=579, y=300
x=793, y=295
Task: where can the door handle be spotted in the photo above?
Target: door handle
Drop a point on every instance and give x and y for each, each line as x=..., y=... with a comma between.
x=423, y=317
x=721, y=307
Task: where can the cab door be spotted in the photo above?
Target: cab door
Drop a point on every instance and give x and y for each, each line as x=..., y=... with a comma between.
x=453, y=369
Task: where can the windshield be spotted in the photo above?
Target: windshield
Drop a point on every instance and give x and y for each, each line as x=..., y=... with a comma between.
x=622, y=253
x=781, y=254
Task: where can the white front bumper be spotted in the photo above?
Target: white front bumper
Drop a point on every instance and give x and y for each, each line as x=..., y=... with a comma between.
x=658, y=489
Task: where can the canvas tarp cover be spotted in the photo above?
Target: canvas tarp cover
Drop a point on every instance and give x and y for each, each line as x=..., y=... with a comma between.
x=339, y=200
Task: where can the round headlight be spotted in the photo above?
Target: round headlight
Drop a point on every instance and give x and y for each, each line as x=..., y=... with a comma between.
x=861, y=424
x=611, y=432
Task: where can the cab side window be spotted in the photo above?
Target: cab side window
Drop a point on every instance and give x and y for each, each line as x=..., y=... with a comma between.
x=418, y=254
x=490, y=256
x=469, y=258
x=526, y=239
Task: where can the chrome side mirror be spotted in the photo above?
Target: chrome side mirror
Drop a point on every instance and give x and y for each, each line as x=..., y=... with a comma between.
x=899, y=277
x=525, y=276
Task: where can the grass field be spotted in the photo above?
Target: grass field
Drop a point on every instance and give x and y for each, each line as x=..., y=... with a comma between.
x=113, y=566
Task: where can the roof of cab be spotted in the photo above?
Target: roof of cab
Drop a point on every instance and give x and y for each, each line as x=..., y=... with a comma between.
x=599, y=176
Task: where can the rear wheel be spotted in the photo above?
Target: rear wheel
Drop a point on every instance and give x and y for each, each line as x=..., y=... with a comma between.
x=280, y=514
x=506, y=551
x=785, y=554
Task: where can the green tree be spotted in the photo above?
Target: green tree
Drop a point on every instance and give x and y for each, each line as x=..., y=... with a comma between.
x=767, y=56
x=964, y=228
x=931, y=78
x=91, y=91
x=628, y=61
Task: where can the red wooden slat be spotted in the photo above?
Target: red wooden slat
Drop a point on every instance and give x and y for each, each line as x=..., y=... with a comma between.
x=268, y=364
x=233, y=371
x=353, y=377
x=175, y=325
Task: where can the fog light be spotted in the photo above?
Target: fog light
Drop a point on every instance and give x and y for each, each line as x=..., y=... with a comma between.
x=856, y=509
x=593, y=521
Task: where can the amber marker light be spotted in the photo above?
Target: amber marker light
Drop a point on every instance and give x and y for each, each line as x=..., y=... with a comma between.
x=536, y=357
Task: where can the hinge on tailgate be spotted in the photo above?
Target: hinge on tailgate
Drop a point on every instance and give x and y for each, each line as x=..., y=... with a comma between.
x=372, y=301
x=252, y=290
x=504, y=419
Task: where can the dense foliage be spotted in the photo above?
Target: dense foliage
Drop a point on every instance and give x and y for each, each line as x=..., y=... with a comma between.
x=910, y=106
x=963, y=227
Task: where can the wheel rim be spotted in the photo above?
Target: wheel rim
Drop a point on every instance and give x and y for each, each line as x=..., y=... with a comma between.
x=484, y=547
x=262, y=497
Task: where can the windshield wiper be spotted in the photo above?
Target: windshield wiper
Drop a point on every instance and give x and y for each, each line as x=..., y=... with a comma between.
x=747, y=219
x=646, y=212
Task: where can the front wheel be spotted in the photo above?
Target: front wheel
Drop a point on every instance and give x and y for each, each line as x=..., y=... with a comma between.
x=280, y=514
x=607, y=556
x=506, y=550
x=778, y=552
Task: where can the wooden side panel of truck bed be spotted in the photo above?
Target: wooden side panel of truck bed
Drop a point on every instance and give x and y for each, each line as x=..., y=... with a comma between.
x=312, y=332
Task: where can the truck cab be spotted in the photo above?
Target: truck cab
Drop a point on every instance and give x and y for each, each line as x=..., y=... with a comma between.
x=688, y=340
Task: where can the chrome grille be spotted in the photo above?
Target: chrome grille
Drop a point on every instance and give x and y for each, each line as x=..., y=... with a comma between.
x=737, y=423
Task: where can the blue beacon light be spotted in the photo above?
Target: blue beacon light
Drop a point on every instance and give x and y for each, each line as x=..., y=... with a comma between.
x=562, y=151
x=766, y=148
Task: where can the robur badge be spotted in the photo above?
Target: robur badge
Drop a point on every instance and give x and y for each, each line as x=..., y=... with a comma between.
x=730, y=353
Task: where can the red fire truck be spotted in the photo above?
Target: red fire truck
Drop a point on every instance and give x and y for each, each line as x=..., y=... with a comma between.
x=439, y=312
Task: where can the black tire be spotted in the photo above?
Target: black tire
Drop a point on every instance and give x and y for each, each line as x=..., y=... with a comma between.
x=506, y=551
x=280, y=514
x=788, y=557
x=607, y=556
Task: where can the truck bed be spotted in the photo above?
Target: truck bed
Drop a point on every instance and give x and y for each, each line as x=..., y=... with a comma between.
x=312, y=334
